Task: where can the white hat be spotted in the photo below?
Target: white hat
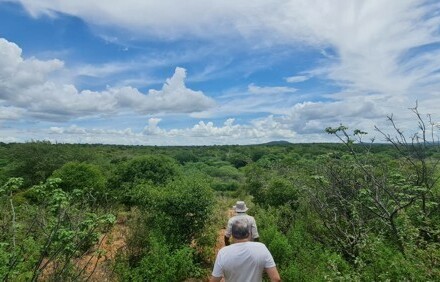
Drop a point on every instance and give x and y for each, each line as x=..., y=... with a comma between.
x=240, y=206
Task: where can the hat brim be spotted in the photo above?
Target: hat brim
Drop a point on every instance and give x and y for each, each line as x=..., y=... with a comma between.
x=241, y=210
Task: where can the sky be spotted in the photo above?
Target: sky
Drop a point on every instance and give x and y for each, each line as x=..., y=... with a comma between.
x=200, y=72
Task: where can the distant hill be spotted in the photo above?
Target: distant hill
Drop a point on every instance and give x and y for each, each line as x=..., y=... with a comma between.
x=280, y=142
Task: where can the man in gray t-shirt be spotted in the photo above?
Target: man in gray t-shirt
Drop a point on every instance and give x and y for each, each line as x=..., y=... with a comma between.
x=240, y=209
x=244, y=261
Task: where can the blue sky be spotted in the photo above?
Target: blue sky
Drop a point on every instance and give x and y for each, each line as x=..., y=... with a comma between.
x=213, y=72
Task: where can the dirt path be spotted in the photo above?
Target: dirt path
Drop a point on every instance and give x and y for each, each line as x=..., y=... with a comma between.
x=221, y=234
x=98, y=267
x=97, y=264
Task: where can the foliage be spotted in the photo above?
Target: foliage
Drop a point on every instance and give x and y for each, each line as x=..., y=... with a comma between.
x=180, y=208
x=238, y=160
x=366, y=203
x=49, y=235
x=87, y=178
x=35, y=161
x=272, y=188
x=155, y=169
x=161, y=263
x=354, y=211
x=186, y=156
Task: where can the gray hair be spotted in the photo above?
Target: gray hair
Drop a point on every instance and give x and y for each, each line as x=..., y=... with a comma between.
x=240, y=229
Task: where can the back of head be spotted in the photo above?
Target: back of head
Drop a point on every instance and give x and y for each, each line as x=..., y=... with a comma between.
x=240, y=229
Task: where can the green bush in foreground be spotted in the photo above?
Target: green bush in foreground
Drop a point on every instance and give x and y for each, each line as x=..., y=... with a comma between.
x=161, y=263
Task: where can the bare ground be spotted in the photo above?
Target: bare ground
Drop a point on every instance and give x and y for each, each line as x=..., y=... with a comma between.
x=98, y=263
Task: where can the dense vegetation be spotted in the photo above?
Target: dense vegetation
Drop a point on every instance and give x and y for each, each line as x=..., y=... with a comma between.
x=347, y=211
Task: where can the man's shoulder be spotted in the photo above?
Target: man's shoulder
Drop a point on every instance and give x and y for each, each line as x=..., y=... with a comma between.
x=257, y=245
x=248, y=244
x=241, y=215
x=247, y=217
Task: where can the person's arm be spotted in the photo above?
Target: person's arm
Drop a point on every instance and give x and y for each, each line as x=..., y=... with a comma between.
x=217, y=271
x=215, y=279
x=273, y=274
x=254, y=230
x=227, y=242
x=228, y=232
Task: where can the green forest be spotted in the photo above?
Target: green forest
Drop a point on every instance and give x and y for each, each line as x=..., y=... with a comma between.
x=353, y=210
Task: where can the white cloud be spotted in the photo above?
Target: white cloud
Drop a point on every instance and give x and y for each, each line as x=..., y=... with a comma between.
x=260, y=129
x=371, y=39
x=269, y=90
x=104, y=70
x=17, y=73
x=76, y=130
x=383, y=55
x=11, y=113
x=361, y=112
x=26, y=84
x=175, y=96
x=305, y=123
x=201, y=133
x=296, y=78
x=152, y=128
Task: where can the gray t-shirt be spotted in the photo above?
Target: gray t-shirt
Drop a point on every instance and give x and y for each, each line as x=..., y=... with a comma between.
x=251, y=221
x=243, y=262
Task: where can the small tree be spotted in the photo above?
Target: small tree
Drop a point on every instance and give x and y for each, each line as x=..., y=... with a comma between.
x=376, y=193
x=84, y=177
x=181, y=209
x=50, y=235
x=154, y=169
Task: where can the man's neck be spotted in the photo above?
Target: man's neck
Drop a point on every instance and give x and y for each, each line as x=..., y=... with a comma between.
x=241, y=240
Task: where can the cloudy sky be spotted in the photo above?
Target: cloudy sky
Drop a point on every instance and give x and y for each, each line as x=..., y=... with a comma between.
x=200, y=72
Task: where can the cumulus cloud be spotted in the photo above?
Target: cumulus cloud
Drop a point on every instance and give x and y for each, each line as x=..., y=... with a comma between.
x=314, y=117
x=259, y=129
x=26, y=85
x=381, y=55
x=201, y=133
x=152, y=128
x=175, y=96
x=17, y=73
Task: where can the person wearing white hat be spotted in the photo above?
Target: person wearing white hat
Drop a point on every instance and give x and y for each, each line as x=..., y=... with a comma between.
x=241, y=209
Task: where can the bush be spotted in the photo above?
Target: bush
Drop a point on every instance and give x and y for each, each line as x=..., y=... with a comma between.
x=380, y=261
x=81, y=176
x=186, y=156
x=154, y=169
x=278, y=245
x=225, y=186
x=48, y=236
x=162, y=263
x=179, y=209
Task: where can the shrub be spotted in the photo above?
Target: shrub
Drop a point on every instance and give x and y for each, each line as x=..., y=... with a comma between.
x=154, y=169
x=181, y=208
x=162, y=263
x=81, y=176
